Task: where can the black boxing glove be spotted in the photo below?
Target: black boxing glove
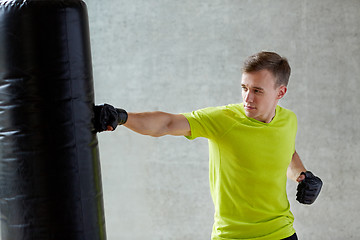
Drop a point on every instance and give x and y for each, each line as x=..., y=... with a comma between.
x=308, y=189
x=106, y=115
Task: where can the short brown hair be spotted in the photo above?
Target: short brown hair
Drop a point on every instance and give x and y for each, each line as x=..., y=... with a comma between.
x=273, y=62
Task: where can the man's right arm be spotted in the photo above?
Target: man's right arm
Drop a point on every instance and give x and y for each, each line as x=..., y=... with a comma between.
x=157, y=124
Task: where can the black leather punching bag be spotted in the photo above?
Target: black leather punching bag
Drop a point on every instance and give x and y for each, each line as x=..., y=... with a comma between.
x=50, y=180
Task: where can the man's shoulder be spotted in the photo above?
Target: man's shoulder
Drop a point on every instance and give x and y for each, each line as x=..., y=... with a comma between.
x=285, y=111
x=235, y=106
x=227, y=110
x=214, y=109
x=286, y=117
x=218, y=112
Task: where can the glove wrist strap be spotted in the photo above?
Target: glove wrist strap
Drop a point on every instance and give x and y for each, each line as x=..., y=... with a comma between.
x=307, y=174
x=122, y=116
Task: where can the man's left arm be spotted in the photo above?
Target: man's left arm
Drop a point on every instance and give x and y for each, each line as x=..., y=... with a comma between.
x=309, y=185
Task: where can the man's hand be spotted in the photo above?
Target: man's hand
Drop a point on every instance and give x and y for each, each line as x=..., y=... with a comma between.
x=309, y=187
x=106, y=117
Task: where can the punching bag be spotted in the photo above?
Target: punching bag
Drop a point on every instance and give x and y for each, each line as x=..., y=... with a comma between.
x=50, y=180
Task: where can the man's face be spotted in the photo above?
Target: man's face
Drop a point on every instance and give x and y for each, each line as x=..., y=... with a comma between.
x=260, y=96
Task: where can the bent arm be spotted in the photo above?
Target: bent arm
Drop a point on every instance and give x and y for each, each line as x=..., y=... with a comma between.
x=296, y=167
x=158, y=124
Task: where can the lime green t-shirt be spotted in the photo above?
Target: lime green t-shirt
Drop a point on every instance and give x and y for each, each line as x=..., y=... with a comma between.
x=247, y=168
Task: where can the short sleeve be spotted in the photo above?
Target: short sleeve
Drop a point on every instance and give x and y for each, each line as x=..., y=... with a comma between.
x=204, y=122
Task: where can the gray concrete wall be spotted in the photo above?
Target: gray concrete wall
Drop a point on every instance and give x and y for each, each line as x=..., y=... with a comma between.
x=178, y=56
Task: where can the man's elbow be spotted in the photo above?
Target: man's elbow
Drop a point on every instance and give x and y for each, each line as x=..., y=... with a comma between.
x=156, y=134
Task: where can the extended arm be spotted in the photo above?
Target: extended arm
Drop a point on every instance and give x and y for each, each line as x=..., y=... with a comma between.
x=156, y=124
x=295, y=168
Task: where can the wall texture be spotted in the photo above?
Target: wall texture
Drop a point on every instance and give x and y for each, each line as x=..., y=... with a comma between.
x=178, y=56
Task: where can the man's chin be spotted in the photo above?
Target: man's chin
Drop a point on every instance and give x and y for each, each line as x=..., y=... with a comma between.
x=249, y=114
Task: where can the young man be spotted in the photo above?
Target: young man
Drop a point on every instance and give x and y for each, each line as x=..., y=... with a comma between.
x=251, y=151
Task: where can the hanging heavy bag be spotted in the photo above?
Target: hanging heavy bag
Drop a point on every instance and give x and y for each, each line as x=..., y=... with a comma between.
x=50, y=180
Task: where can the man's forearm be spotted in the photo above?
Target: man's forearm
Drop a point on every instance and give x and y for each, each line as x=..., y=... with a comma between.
x=295, y=168
x=148, y=123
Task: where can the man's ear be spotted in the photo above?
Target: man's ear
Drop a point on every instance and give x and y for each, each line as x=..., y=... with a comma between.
x=281, y=91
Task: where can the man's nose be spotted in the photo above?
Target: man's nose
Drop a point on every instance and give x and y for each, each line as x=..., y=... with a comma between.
x=249, y=97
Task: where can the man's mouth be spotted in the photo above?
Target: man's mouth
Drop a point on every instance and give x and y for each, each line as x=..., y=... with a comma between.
x=248, y=107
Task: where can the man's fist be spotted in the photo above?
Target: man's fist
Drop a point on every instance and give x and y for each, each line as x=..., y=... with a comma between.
x=106, y=117
x=309, y=188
